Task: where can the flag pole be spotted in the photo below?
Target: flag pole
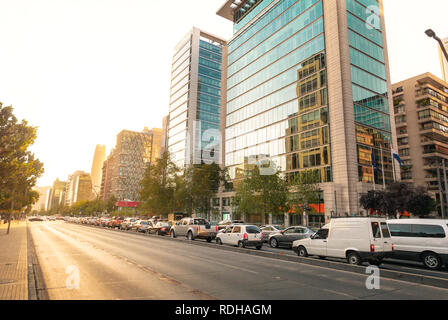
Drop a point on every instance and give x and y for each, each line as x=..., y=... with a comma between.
x=382, y=168
x=393, y=164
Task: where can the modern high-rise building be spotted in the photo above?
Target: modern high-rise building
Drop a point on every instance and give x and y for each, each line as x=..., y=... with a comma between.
x=421, y=116
x=106, y=177
x=57, y=195
x=165, y=125
x=124, y=169
x=308, y=87
x=195, y=99
x=78, y=188
x=443, y=62
x=97, y=169
x=42, y=203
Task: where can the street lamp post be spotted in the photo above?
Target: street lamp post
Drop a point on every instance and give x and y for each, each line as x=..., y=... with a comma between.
x=430, y=33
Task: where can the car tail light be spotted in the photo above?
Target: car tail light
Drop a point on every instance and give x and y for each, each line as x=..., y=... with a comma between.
x=198, y=228
x=246, y=236
x=217, y=229
x=372, y=248
x=393, y=247
x=261, y=235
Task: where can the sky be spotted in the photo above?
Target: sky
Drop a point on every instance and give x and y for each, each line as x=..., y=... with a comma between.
x=83, y=70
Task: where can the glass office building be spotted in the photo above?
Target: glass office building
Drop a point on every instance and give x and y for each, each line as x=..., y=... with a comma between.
x=195, y=102
x=308, y=87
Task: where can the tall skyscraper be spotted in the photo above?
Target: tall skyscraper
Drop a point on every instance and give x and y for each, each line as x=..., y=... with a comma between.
x=106, y=177
x=421, y=112
x=308, y=87
x=97, y=169
x=125, y=167
x=195, y=100
x=165, y=125
x=443, y=62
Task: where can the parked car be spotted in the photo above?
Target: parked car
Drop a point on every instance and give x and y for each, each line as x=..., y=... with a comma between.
x=357, y=239
x=144, y=226
x=194, y=228
x=421, y=240
x=285, y=238
x=268, y=230
x=126, y=223
x=242, y=236
x=135, y=225
x=226, y=223
x=160, y=229
x=36, y=219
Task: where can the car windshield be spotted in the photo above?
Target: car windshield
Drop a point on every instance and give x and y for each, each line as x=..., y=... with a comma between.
x=200, y=222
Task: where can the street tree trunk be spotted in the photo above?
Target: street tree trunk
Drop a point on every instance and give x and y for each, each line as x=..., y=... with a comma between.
x=9, y=217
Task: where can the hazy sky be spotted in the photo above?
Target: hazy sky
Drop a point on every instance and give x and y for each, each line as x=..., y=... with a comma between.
x=83, y=70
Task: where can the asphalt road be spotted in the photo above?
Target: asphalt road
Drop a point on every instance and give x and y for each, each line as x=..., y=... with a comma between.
x=114, y=265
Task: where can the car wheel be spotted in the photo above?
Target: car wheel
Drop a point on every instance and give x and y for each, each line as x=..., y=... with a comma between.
x=273, y=243
x=376, y=262
x=190, y=236
x=173, y=234
x=432, y=261
x=301, y=252
x=219, y=242
x=209, y=240
x=241, y=244
x=354, y=259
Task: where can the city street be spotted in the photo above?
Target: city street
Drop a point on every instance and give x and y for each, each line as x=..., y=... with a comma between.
x=114, y=265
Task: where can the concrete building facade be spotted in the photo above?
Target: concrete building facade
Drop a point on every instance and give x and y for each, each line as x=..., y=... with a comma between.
x=125, y=167
x=421, y=116
x=308, y=87
x=78, y=188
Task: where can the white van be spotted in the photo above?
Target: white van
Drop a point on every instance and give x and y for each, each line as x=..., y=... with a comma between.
x=421, y=240
x=356, y=239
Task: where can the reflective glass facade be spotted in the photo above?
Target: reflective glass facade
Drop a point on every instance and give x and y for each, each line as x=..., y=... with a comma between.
x=195, y=114
x=370, y=93
x=276, y=88
x=209, y=97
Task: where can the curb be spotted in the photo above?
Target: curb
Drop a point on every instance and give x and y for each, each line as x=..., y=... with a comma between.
x=36, y=284
x=389, y=274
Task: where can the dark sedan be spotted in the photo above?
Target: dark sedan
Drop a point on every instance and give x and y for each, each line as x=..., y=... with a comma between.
x=286, y=237
x=160, y=229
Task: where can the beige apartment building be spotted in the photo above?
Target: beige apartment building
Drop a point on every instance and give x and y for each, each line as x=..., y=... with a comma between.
x=78, y=188
x=125, y=167
x=421, y=116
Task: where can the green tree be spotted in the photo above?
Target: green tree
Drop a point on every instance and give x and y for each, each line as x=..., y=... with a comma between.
x=19, y=169
x=263, y=192
x=159, y=186
x=399, y=198
x=200, y=184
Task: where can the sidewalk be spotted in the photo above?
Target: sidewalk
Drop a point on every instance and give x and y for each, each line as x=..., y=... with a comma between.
x=13, y=262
